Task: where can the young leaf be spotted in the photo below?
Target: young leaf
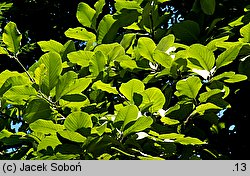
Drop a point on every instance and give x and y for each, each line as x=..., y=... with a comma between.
x=141, y=124
x=80, y=33
x=12, y=37
x=163, y=58
x=133, y=86
x=104, y=87
x=78, y=120
x=85, y=14
x=3, y=51
x=189, y=87
x=228, y=56
x=146, y=47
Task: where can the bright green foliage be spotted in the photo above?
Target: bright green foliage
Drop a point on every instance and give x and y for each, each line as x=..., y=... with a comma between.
x=124, y=87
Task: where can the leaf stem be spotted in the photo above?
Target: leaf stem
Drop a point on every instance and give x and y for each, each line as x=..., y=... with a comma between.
x=26, y=71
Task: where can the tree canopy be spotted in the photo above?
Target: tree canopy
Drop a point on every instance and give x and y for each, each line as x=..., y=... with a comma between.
x=119, y=79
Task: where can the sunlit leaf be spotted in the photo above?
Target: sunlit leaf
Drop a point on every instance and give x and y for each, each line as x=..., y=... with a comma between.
x=146, y=47
x=12, y=37
x=85, y=14
x=105, y=87
x=133, y=86
x=51, y=45
x=79, y=33
x=78, y=120
x=141, y=124
x=80, y=57
x=189, y=87
x=72, y=136
x=126, y=115
x=46, y=126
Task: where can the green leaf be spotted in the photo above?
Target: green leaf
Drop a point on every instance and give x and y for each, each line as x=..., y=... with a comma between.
x=212, y=45
x=63, y=83
x=166, y=42
x=228, y=56
x=141, y=124
x=80, y=33
x=104, y=27
x=18, y=95
x=206, y=107
x=154, y=98
x=37, y=109
x=5, y=134
x=80, y=57
x=85, y=14
x=3, y=51
x=189, y=87
x=112, y=51
x=245, y=33
x=12, y=37
x=203, y=55
x=49, y=141
x=126, y=115
x=97, y=63
x=68, y=47
x=188, y=31
x=244, y=67
x=72, y=136
x=169, y=121
x=206, y=95
x=45, y=126
x=119, y=5
x=99, y=8
x=51, y=45
x=189, y=141
x=78, y=120
x=208, y=6
x=104, y=87
x=53, y=65
x=163, y=58
x=146, y=47
x=230, y=77
x=133, y=86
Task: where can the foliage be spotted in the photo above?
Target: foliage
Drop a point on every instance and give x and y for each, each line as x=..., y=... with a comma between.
x=123, y=86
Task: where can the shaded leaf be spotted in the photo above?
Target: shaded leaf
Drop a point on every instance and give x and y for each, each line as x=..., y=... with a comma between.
x=38, y=109
x=208, y=6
